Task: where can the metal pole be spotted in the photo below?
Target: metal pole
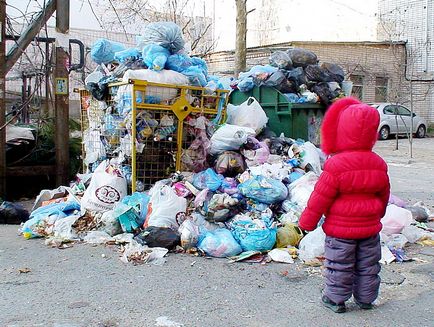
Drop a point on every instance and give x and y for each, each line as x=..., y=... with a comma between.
x=62, y=96
x=2, y=99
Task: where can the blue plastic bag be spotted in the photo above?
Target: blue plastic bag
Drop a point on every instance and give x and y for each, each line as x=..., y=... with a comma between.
x=257, y=70
x=179, y=62
x=166, y=34
x=53, y=211
x=103, y=51
x=155, y=56
x=208, y=179
x=122, y=56
x=263, y=189
x=199, y=62
x=292, y=97
x=254, y=236
x=128, y=217
x=246, y=84
x=139, y=201
x=195, y=76
x=219, y=243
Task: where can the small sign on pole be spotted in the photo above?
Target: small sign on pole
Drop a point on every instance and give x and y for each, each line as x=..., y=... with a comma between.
x=61, y=86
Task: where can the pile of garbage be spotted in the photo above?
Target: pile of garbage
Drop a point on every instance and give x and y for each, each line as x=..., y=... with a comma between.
x=242, y=201
x=297, y=74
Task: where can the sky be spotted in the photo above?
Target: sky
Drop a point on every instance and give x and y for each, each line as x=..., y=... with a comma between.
x=293, y=20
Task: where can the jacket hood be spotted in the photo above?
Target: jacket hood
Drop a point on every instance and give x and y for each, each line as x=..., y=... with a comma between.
x=349, y=125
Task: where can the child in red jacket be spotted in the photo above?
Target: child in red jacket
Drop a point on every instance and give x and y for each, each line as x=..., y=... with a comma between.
x=352, y=193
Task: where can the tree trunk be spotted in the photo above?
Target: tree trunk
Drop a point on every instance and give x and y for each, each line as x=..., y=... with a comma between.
x=241, y=33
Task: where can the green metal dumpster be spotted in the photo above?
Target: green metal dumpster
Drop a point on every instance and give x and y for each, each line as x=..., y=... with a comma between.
x=295, y=120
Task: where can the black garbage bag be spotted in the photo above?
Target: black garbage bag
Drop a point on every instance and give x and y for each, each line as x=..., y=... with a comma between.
x=419, y=214
x=296, y=76
x=281, y=60
x=325, y=94
x=302, y=57
x=162, y=237
x=334, y=72
x=12, y=213
x=315, y=73
x=230, y=164
x=280, y=145
x=277, y=80
x=98, y=91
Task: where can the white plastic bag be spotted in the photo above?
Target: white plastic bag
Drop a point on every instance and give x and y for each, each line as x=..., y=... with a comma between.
x=248, y=114
x=104, y=190
x=310, y=155
x=312, y=245
x=395, y=219
x=414, y=233
x=189, y=234
x=301, y=189
x=229, y=137
x=110, y=223
x=164, y=206
x=63, y=228
x=164, y=77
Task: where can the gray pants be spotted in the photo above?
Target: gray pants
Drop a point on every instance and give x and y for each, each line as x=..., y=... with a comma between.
x=351, y=268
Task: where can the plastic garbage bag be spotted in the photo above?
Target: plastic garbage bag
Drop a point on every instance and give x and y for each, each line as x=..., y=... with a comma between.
x=207, y=179
x=130, y=53
x=310, y=155
x=255, y=152
x=297, y=76
x=288, y=235
x=179, y=62
x=229, y=137
x=155, y=56
x=254, y=235
x=414, y=233
x=335, y=72
x=292, y=212
x=221, y=207
x=314, y=73
x=41, y=220
x=246, y=84
x=281, y=60
x=152, y=92
x=166, y=34
x=393, y=199
x=139, y=201
x=324, y=93
x=302, y=57
x=396, y=241
x=106, y=188
x=63, y=228
x=139, y=254
x=395, y=219
x=312, y=245
x=219, y=243
x=256, y=70
x=291, y=97
x=418, y=213
x=12, y=213
x=109, y=223
x=199, y=62
x=189, y=234
x=229, y=186
x=128, y=217
x=164, y=208
x=162, y=237
x=230, y=164
x=195, y=157
x=263, y=189
x=195, y=76
x=247, y=114
x=103, y=51
x=280, y=255
x=302, y=188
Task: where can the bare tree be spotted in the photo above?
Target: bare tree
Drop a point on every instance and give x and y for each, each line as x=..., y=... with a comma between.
x=241, y=34
x=134, y=14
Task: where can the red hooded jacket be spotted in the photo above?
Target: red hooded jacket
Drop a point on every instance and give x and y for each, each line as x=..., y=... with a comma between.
x=353, y=190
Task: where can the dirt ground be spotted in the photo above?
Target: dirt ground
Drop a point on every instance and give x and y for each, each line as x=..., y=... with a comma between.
x=89, y=286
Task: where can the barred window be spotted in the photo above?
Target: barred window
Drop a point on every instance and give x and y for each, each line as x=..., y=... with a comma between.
x=357, y=91
x=381, y=89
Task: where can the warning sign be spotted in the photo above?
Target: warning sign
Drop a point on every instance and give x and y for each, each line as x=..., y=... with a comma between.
x=61, y=86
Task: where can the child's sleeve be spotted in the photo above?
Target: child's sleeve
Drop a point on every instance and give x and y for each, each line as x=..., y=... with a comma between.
x=385, y=193
x=320, y=201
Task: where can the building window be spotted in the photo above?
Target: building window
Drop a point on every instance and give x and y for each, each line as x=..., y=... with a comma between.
x=381, y=89
x=357, y=90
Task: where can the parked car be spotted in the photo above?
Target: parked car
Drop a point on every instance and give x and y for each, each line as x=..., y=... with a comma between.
x=396, y=119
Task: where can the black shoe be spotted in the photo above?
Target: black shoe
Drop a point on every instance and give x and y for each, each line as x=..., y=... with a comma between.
x=364, y=306
x=335, y=307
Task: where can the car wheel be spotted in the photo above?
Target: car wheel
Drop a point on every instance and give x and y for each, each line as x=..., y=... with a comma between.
x=421, y=131
x=384, y=133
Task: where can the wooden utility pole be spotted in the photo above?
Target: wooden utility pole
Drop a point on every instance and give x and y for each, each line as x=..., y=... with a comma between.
x=241, y=33
x=3, y=99
x=61, y=88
